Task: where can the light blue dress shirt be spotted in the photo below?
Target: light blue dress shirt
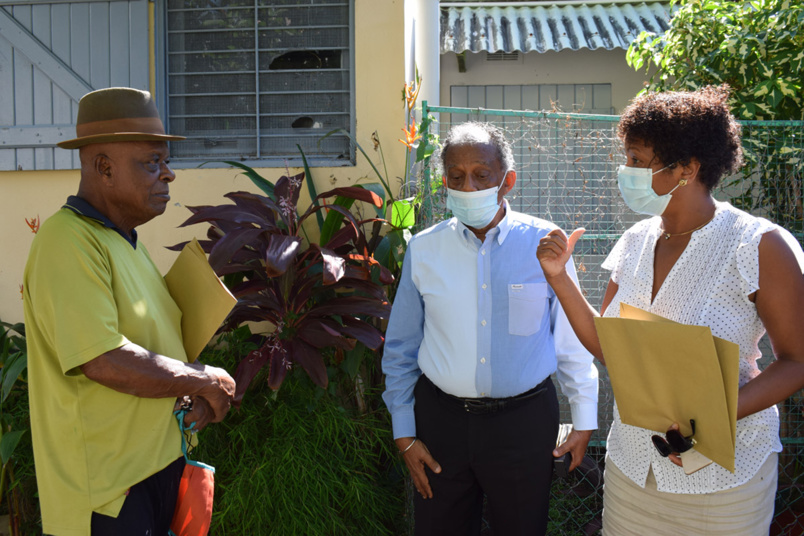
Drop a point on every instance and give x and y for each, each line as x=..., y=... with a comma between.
x=480, y=320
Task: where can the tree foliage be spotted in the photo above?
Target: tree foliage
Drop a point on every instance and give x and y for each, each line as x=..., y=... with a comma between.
x=757, y=47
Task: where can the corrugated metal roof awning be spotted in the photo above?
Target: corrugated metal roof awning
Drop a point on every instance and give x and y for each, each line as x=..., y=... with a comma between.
x=549, y=27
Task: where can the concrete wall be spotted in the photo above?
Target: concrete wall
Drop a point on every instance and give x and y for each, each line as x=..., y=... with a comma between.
x=565, y=67
x=379, y=78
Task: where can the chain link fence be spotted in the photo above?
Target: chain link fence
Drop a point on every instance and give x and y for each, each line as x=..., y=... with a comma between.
x=566, y=173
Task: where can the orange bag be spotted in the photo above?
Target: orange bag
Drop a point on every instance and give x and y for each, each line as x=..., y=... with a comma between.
x=193, y=513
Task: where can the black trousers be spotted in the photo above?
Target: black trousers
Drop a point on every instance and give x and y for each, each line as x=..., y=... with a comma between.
x=148, y=509
x=506, y=455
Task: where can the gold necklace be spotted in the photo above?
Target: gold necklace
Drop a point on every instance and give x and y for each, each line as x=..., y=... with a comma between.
x=668, y=235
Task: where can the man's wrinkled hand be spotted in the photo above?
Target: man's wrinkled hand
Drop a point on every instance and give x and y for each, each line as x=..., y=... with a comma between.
x=576, y=445
x=417, y=457
x=201, y=414
x=219, y=392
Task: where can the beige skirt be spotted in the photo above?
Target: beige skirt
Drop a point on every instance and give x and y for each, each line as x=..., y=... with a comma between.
x=747, y=510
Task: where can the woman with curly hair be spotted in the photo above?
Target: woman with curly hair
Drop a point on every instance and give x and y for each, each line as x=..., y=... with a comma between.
x=703, y=262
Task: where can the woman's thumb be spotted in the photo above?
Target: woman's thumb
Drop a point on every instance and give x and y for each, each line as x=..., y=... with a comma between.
x=573, y=238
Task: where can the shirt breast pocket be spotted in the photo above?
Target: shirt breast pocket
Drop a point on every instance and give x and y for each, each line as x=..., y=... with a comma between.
x=527, y=305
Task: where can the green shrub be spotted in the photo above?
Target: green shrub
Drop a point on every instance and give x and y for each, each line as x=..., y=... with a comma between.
x=21, y=496
x=18, y=480
x=296, y=461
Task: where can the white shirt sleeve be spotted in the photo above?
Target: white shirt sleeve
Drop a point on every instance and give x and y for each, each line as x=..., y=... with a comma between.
x=576, y=372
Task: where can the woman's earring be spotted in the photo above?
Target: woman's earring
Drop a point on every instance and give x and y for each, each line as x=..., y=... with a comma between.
x=682, y=182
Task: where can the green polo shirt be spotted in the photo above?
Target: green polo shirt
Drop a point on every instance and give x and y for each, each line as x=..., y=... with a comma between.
x=88, y=290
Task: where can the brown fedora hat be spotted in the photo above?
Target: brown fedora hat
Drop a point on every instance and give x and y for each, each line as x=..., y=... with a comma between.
x=117, y=114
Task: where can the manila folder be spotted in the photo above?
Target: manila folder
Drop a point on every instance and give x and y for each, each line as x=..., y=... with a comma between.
x=665, y=372
x=203, y=299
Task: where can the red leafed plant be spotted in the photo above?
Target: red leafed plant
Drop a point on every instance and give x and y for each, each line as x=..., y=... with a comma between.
x=319, y=296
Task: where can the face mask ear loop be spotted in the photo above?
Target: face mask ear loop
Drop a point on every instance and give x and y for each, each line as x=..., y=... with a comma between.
x=682, y=182
x=674, y=189
x=668, y=167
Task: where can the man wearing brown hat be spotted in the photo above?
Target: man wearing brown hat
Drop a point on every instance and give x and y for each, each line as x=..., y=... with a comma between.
x=106, y=360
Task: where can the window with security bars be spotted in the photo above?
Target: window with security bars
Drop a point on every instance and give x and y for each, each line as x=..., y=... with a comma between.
x=252, y=79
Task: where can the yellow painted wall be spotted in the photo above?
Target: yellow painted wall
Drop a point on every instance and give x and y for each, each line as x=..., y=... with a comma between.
x=379, y=78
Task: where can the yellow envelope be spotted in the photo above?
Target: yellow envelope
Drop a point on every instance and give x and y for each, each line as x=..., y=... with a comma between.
x=664, y=372
x=728, y=354
x=203, y=299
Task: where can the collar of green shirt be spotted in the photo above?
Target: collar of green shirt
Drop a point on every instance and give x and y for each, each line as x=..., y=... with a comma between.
x=82, y=207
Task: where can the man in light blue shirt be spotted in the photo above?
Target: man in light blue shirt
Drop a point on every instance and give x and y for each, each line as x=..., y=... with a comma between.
x=474, y=335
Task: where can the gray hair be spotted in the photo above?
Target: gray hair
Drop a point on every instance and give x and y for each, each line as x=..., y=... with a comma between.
x=477, y=133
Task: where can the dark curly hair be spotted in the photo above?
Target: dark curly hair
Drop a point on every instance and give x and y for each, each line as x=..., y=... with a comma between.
x=679, y=125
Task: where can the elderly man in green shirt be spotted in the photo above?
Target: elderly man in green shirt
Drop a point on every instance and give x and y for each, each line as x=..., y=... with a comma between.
x=106, y=359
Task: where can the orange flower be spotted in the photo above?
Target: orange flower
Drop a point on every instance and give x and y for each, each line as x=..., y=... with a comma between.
x=33, y=223
x=411, y=94
x=411, y=136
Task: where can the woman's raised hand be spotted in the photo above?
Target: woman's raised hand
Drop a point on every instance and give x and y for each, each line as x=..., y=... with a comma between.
x=555, y=249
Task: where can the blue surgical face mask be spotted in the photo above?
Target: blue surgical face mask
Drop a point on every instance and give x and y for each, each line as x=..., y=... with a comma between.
x=473, y=209
x=636, y=187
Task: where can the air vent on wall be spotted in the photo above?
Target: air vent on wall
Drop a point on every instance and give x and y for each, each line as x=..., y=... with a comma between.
x=502, y=56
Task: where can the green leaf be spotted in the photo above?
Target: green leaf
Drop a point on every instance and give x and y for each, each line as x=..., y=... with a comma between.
x=378, y=189
x=334, y=219
x=5, y=351
x=382, y=253
x=747, y=110
x=764, y=108
x=765, y=70
x=429, y=141
x=8, y=444
x=311, y=187
x=261, y=183
x=352, y=360
x=19, y=327
x=398, y=242
x=632, y=58
x=797, y=63
x=13, y=367
x=763, y=89
x=11, y=342
x=403, y=214
x=427, y=147
x=788, y=88
x=776, y=96
x=731, y=46
x=19, y=343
